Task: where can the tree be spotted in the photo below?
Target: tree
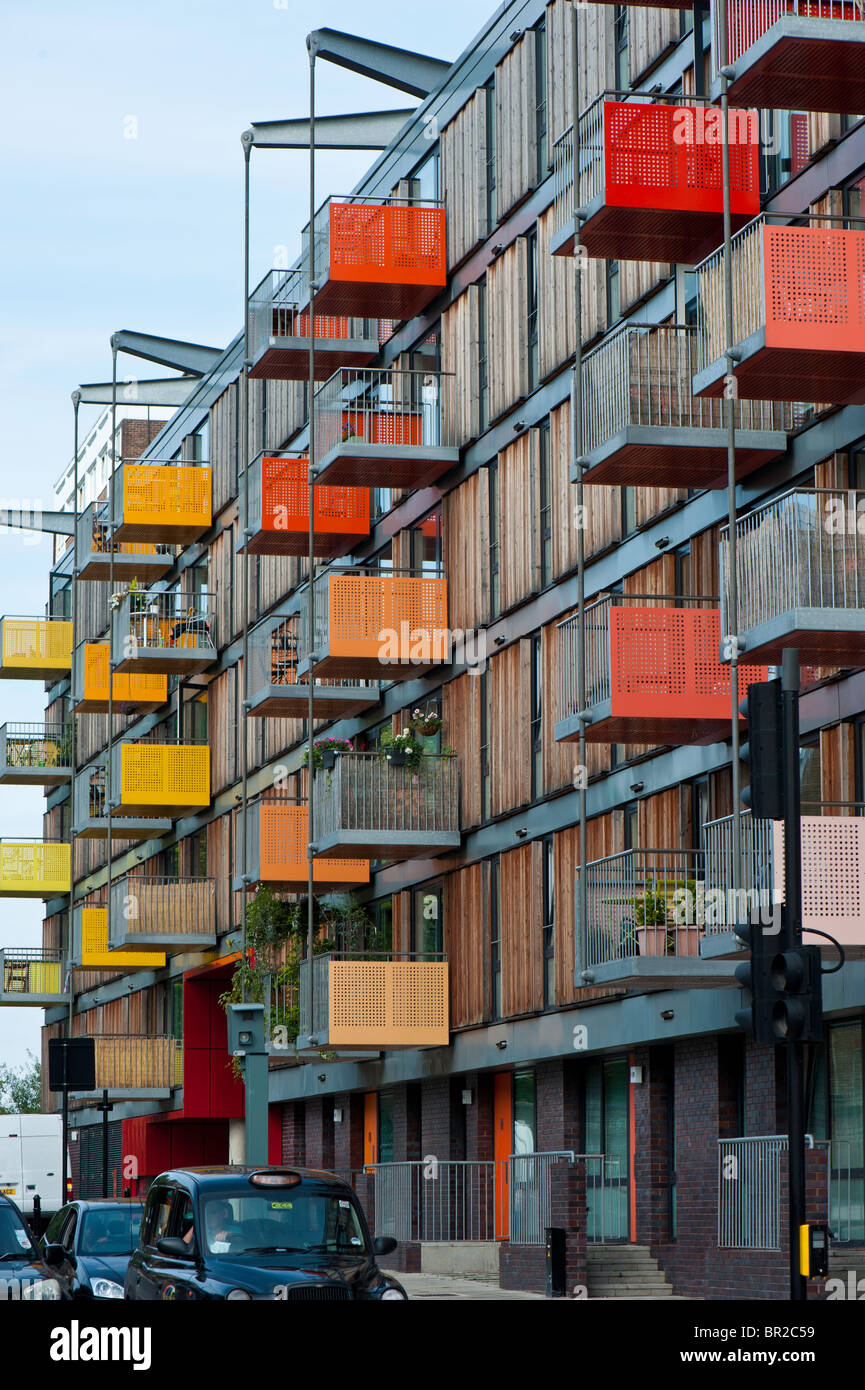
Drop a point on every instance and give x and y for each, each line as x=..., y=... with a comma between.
x=21, y=1088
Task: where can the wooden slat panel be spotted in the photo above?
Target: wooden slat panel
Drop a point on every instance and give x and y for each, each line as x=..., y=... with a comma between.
x=466, y=539
x=521, y=940
x=602, y=515
x=516, y=125
x=465, y=934
x=463, y=178
x=519, y=510
x=557, y=300
x=597, y=67
x=650, y=33
x=461, y=710
x=461, y=355
x=223, y=447
x=507, y=301
x=510, y=731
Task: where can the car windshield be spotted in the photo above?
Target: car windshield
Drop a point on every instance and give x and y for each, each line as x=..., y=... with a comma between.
x=296, y=1221
x=110, y=1231
x=15, y=1243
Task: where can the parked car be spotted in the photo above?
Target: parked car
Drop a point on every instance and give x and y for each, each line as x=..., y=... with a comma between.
x=291, y=1234
x=88, y=1245
x=23, y=1272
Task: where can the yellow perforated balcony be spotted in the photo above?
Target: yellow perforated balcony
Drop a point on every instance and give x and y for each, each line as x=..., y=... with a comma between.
x=165, y=502
x=36, y=649
x=34, y=869
x=90, y=945
x=132, y=691
x=374, y=1003
x=168, y=779
x=31, y=975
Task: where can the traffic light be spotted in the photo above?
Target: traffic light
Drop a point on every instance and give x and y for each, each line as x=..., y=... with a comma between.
x=796, y=979
x=763, y=750
x=755, y=975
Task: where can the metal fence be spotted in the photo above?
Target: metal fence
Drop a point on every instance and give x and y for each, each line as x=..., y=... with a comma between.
x=642, y=902
x=749, y=1192
x=597, y=678
x=530, y=1194
x=749, y=895
x=149, y=620
x=34, y=747
x=279, y=308
x=403, y=409
x=429, y=1200
x=274, y=652
x=369, y=792
x=94, y=537
x=89, y=795
x=749, y=298
x=31, y=970
x=747, y=20
x=162, y=905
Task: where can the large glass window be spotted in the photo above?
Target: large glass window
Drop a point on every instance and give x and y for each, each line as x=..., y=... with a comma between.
x=620, y=27
x=524, y=1112
x=605, y=1126
x=836, y=1114
x=385, y=1127
x=809, y=778
x=427, y=921
x=296, y=1221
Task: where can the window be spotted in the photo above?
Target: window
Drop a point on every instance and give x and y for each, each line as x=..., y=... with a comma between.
x=524, y=1112
x=495, y=943
x=632, y=825
x=614, y=310
x=483, y=357
x=486, y=717
x=620, y=30
x=682, y=562
x=195, y=719
x=549, y=913
x=380, y=939
x=545, y=493
x=699, y=811
x=532, y=306
x=199, y=444
x=629, y=510
x=424, y=182
x=495, y=587
x=426, y=545
x=492, y=212
x=809, y=778
x=541, y=145
x=385, y=1127
x=156, y=1215
x=177, y=1010
x=537, y=717
x=427, y=921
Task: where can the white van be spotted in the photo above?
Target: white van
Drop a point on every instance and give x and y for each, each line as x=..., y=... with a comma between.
x=31, y=1161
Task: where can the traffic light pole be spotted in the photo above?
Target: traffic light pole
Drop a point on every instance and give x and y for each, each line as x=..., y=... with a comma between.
x=792, y=937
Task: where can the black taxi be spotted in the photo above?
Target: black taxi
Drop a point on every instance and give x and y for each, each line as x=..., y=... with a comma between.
x=240, y=1232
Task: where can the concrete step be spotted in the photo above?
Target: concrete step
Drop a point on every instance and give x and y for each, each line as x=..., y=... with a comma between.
x=630, y=1291
x=625, y=1271
x=631, y=1276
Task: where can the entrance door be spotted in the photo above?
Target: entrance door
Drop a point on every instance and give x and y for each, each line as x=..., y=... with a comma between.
x=606, y=1131
x=503, y=1124
x=370, y=1128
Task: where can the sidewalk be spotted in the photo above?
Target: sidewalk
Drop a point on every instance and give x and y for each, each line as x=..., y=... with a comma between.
x=444, y=1287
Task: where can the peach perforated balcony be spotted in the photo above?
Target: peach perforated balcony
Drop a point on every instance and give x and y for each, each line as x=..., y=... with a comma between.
x=275, y=690
x=142, y=560
x=35, y=754
x=161, y=501
x=800, y=562
x=642, y=427
x=651, y=184
x=139, y=692
x=31, y=975
x=653, y=673
x=377, y=626
x=163, y=912
x=163, y=633
x=278, y=522
x=386, y=808
x=363, y=1001
x=793, y=55
x=34, y=868
x=155, y=778
x=90, y=945
x=384, y=428
x=377, y=258
x=798, y=315
x=36, y=649
x=90, y=812
x=279, y=332
x=276, y=855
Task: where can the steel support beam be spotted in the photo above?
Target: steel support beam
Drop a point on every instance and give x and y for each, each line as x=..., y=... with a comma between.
x=57, y=523
x=356, y=130
x=192, y=358
x=160, y=391
x=415, y=73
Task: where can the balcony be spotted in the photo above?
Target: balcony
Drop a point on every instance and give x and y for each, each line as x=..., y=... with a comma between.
x=274, y=689
x=833, y=882
x=135, y=1067
x=90, y=812
x=31, y=976
x=165, y=779
x=165, y=913
x=377, y=258
x=384, y=428
x=651, y=180
x=35, y=649
x=369, y=804
x=279, y=332
x=798, y=315
x=132, y=559
x=278, y=520
x=35, y=754
x=90, y=945
x=644, y=922
x=369, y=1002
x=653, y=674
x=382, y=625
x=163, y=502
x=642, y=427
x=793, y=55
x=139, y=693
x=276, y=833
x=34, y=868
x=800, y=561
x=163, y=633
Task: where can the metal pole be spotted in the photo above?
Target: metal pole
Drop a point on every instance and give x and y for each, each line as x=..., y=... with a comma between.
x=109, y=790
x=310, y=764
x=73, y=723
x=577, y=455
x=104, y=1107
x=246, y=142
x=792, y=937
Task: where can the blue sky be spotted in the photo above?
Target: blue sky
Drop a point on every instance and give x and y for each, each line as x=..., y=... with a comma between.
x=101, y=232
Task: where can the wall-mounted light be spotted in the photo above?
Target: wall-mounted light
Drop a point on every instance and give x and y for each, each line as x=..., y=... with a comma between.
x=636, y=787
x=501, y=1044
x=521, y=833
x=496, y=250
x=667, y=1014
x=500, y=640
x=322, y=1076
x=337, y=1117
x=662, y=543
x=519, y=426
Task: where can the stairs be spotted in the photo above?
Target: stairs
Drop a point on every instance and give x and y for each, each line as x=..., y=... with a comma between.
x=625, y=1271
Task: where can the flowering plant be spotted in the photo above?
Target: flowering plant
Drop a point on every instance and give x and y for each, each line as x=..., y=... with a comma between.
x=424, y=723
x=404, y=745
x=326, y=745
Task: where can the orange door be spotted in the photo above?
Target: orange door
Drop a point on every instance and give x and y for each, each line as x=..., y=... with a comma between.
x=502, y=1140
x=370, y=1128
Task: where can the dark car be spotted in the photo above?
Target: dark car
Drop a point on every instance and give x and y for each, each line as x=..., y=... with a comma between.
x=88, y=1245
x=292, y=1234
x=23, y=1272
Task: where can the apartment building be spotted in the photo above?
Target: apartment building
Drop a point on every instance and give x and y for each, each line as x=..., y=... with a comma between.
x=502, y=1038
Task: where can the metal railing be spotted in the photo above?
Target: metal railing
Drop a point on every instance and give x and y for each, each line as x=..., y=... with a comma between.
x=747, y=20
x=162, y=905
x=318, y=1025
x=94, y=538
x=749, y=1192
x=386, y=406
x=147, y=621
x=126, y=1062
x=279, y=308
x=274, y=652
x=90, y=795
x=642, y=902
x=368, y=792
x=376, y=617
x=429, y=1200
x=805, y=549
x=34, y=747
x=749, y=294
x=641, y=376
x=530, y=1194
x=31, y=970
x=607, y=1210
x=369, y=991
x=369, y=248
x=755, y=900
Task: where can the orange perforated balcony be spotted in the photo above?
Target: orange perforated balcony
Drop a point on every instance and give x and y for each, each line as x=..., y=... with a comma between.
x=377, y=626
x=278, y=520
x=376, y=258
x=140, y=692
x=651, y=184
x=279, y=332
x=368, y=1002
x=162, y=501
x=277, y=838
x=798, y=315
x=276, y=690
x=385, y=428
x=165, y=779
x=792, y=55
x=141, y=560
x=653, y=674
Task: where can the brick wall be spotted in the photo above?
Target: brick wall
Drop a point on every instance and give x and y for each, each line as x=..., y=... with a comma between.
x=135, y=435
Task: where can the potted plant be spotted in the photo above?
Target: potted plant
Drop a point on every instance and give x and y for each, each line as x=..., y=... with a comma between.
x=117, y=599
x=324, y=752
x=425, y=725
x=402, y=749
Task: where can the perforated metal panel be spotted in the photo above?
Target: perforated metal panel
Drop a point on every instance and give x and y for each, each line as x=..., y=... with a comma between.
x=282, y=841
x=671, y=157
x=340, y=520
x=388, y=1003
x=91, y=951
x=833, y=864
x=30, y=869
x=384, y=261
x=170, y=776
x=35, y=647
x=815, y=288
x=131, y=689
x=164, y=502
x=387, y=621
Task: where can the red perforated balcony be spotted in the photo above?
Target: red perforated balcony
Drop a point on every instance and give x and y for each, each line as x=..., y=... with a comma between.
x=279, y=332
x=798, y=315
x=653, y=673
x=651, y=184
x=793, y=55
x=378, y=258
x=384, y=428
x=279, y=511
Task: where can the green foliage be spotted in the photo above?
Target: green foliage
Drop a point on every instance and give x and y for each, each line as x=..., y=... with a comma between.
x=405, y=742
x=21, y=1088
